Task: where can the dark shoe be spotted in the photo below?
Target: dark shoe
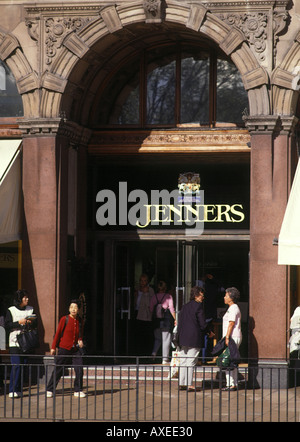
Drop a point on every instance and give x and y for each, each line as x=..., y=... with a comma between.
x=229, y=389
x=182, y=387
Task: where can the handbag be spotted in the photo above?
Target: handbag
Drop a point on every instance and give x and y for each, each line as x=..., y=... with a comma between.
x=28, y=339
x=224, y=359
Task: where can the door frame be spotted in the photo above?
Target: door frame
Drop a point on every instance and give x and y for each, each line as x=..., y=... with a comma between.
x=110, y=239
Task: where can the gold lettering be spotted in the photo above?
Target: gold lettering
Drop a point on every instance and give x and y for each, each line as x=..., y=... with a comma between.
x=148, y=207
x=238, y=213
x=223, y=212
x=177, y=212
x=194, y=211
x=159, y=208
x=207, y=209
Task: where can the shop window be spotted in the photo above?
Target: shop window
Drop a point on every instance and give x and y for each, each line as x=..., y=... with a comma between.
x=161, y=94
x=10, y=99
x=171, y=86
x=232, y=99
x=194, y=103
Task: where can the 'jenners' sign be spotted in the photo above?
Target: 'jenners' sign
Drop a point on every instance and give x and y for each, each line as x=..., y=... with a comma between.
x=181, y=207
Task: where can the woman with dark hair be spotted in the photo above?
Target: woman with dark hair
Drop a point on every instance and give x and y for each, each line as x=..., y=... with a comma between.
x=16, y=317
x=163, y=325
x=192, y=327
x=232, y=329
x=68, y=340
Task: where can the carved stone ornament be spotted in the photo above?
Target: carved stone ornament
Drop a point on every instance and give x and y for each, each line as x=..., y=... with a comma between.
x=152, y=11
x=56, y=30
x=254, y=27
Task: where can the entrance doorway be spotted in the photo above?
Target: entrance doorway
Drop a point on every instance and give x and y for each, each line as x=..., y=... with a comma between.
x=181, y=264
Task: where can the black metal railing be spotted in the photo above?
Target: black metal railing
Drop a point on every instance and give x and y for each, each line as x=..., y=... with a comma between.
x=134, y=389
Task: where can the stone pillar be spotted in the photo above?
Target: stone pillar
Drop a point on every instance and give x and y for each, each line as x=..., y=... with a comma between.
x=270, y=182
x=45, y=226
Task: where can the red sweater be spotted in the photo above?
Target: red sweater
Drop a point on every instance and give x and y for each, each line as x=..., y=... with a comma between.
x=71, y=334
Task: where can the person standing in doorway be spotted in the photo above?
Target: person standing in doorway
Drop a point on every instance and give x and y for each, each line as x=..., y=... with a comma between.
x=143, y=317
x=232, y=327
x=164, y=326
x=68, y=339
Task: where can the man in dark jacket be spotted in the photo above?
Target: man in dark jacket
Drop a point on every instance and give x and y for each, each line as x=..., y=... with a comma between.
x=191, y=330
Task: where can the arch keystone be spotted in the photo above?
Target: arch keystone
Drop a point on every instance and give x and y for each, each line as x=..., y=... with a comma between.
x=233, y=40
x=255, y=78
x=76, y=45
x=196, y=17
x=54, y=82
x=288, y=80
x=8, y=45
x=111, y=18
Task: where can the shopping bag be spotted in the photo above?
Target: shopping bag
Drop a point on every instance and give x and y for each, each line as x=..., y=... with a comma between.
x=224, y=359
x=174, y=365
x=175, y=338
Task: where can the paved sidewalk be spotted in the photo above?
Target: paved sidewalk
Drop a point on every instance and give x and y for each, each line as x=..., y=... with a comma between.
x=115, y=395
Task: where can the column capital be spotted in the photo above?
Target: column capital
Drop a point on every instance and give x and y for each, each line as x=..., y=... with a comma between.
x=42, y=127
x=262, y=124
x=271, y=124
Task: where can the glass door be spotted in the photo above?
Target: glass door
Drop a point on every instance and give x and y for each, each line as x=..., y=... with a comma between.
x=187, y=271
x=122, y=299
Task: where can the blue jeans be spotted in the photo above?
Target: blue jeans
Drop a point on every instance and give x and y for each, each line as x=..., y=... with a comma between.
x=17, y=359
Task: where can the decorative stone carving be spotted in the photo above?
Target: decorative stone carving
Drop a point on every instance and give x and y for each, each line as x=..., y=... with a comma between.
x=160, y=141
x=254, y=27
x=56, y=30
x=153, y=9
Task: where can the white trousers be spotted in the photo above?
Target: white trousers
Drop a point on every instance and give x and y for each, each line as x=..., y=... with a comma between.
x=188, y=360
x=162, y=337
x=232, y=375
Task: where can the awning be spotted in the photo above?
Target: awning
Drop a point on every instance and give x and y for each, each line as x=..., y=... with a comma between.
x=289, y=237
x=10, y=190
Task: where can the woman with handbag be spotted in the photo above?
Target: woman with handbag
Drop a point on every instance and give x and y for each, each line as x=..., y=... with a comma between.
x=17, y=317
x=231, y=328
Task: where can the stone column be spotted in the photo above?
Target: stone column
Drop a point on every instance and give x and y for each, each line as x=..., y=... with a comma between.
x=45, y=224
x=271, y=163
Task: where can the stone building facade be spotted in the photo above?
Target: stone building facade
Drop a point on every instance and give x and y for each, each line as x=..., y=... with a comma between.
x=64, y=57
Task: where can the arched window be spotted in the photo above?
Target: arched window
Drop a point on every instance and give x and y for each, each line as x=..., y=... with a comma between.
x=171, y=86
x=10, y=100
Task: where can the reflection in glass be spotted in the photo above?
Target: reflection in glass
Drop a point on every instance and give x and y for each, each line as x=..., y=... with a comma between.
x=232, y=98
x=194, y=90
x=161, y=83
x=10, y=100
x=129, y=111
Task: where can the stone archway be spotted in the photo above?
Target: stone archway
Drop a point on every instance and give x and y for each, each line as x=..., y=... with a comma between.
x=285, y=80
x=77, y=40
x=26, y=79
